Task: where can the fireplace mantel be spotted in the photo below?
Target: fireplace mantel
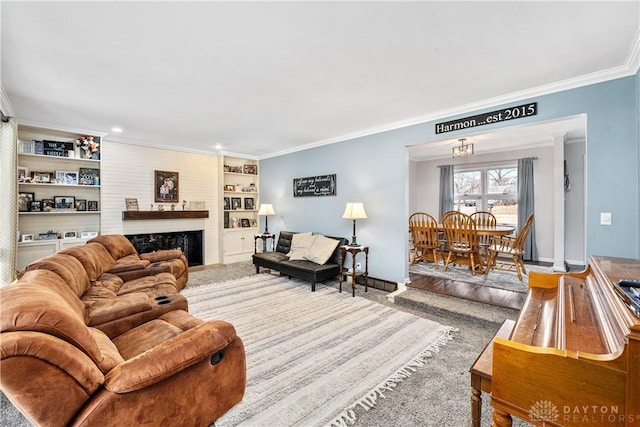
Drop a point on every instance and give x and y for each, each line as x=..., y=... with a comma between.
x=136, y=215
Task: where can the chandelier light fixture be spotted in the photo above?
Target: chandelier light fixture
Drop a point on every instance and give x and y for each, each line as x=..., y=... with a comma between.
x=463, y=149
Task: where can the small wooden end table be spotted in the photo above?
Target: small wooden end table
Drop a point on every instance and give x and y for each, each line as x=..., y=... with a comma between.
x=353, y=273
x=264, y=237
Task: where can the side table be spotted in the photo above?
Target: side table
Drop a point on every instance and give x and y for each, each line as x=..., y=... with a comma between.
x=264, y=237
x=353, y=273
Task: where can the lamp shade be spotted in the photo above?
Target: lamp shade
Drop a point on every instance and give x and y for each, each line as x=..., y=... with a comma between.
x=266, y=209
x=354, y=210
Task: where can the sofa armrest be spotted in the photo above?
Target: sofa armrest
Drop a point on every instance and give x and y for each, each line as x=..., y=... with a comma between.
x=170, y=357
x=164, y=255
x=103, y=311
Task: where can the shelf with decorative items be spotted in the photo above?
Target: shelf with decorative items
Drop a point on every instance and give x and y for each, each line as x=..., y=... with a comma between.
x=58, y=189
x=240, y=202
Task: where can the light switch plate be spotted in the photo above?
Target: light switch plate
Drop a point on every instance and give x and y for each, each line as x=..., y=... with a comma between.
x=605, y=218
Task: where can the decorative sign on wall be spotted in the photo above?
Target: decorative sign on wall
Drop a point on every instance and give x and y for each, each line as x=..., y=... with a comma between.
x=321, y=185
x=511, y=113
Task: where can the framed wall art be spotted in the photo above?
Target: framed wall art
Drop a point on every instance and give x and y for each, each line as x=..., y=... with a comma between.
x=92, y=205
x=64, y=202
x=67, y=177
x=69, y=235
x=24, y=201
x=248, y=203
x=81, y=205
x=166, y=187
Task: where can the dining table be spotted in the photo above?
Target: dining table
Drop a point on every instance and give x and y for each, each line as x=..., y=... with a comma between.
x=489, y=230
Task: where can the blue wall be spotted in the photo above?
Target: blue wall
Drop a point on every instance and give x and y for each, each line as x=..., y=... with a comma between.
x=373, y=170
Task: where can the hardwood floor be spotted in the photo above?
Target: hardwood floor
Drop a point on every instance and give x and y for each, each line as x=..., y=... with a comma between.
x=483, y=294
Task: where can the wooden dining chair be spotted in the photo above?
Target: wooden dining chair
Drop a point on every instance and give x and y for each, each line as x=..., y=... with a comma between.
x=462, y=241
x=485, y=219
x=424, y=235
x=510, y=247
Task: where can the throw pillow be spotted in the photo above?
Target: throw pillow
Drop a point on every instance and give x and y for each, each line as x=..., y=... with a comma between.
x=321, y=249
x=299, y=244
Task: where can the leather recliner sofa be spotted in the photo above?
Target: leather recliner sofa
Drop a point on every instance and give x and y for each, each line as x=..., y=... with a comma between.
x=87, y=340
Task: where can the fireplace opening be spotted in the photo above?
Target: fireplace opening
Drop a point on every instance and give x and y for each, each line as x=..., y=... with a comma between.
x=190, y=242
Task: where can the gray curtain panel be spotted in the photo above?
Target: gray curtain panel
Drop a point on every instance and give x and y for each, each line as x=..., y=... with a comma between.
x=446, y=189
x=526, y=206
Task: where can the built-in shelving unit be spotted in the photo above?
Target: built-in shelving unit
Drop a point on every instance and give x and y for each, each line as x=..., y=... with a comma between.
x=58, y=191
x=240, y=204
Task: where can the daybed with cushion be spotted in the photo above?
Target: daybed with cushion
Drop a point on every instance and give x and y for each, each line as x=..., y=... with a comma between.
x=311, y=257
x=58, y=371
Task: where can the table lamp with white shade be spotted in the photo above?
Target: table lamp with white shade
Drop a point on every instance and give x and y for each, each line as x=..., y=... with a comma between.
x=354, y=211
x=266, y=209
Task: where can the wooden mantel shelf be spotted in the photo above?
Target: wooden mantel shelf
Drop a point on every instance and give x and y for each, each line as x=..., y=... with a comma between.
x=134, y=215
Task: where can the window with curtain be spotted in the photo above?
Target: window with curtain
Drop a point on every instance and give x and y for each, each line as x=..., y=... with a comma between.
x=492, y=188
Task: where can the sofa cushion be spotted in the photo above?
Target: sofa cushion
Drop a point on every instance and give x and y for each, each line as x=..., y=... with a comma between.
x=300, y=242
x=95, y=259
x=117, y=245
x=321, y=249
x=67, y=267
x=34, y=307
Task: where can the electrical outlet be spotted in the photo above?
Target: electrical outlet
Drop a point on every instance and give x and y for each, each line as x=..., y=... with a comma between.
x=358, y=267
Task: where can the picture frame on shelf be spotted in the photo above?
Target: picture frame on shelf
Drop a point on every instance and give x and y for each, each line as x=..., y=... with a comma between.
x=67, y=177
x=81, y=205
x=248, y=203
x=88, y=234
x=166, y=186
x=236, y=203
x=131, y=204
x=254, y=222
x=48, y=236
x=227, y=203
x=251, y=188
x=23, y=174
x=88, y=176
x=245, y=222
x=26, y=147
x=24, y=201
x=48, y=205
x=35, y=206
x=250, y=169
x=229, y=187
x=27, y=238
x=70, y=235
x=197, y=205
x=235, y=222
x=41, y=177
x=64, y=202
x=92, y=205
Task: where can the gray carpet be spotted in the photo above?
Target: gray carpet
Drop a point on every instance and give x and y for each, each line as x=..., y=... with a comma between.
x=436, y=395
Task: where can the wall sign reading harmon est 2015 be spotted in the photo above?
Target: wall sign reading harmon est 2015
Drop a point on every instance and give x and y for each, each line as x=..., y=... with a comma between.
x=503, y=115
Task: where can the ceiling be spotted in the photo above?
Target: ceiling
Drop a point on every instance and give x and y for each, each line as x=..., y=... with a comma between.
x=266, y=78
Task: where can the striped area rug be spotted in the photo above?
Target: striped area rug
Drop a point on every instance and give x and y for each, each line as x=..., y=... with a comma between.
x=312, y=357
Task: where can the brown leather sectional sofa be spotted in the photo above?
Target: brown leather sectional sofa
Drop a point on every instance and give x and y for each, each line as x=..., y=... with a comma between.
x=99, y=335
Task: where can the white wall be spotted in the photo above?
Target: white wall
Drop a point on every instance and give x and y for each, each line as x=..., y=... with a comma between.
x=128, y=171
x=425, y=187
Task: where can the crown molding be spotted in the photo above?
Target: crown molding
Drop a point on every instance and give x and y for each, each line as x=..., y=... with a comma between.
x=58, y=128
x=147, y=144
x=5, y=104
x=631, y=67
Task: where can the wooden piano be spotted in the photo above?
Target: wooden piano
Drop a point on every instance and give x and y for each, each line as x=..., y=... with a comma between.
x=573, y=356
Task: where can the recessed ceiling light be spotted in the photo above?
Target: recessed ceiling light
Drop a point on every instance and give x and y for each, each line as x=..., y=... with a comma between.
x=116, y=129
x=218, y=146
